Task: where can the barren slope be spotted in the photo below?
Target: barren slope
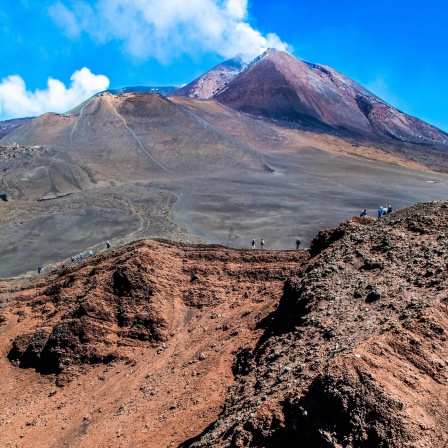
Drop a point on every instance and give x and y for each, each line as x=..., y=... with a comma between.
x=143, y=137
x=272, y=138
x=126, y=167
x=133, y=347
x=211, y=82
x=278, y=86
x=356, y=353
x=137, y=347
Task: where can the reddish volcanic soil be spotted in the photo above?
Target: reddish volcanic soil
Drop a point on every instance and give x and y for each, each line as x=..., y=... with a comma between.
x=356, y=353
x=133, y=347
x=159, y=344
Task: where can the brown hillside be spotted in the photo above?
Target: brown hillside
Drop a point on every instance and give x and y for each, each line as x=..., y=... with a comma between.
x=274, y=139
x=138, y=347
x=310, y=96
x=356, y=353
x=133, y=347
x=131, y=136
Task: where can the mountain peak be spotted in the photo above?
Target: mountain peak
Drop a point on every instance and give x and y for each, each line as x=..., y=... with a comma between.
x=276, y=85
x=213, y=81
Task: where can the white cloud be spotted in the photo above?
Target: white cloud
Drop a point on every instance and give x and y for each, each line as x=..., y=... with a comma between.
x=237, y=8
x=72, y=22
x=65, y=19
x=167, y=29
x=16, y=101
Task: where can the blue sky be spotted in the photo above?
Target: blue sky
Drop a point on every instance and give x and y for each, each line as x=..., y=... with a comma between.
x=397, y=49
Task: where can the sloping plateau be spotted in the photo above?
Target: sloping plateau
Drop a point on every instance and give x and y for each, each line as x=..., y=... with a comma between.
x=187, y=170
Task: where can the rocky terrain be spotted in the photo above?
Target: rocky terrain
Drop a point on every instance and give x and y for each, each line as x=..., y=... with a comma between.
x=133, y=347
x=161, y=344
x=16, y=151
x=209, y=84
x=355, y=355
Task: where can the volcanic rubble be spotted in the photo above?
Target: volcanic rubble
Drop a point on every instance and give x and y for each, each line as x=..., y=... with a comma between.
x=343, y=345
x=356, y=353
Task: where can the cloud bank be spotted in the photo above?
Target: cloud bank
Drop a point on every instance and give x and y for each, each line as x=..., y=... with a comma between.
x=16, y=101
x=165, y=29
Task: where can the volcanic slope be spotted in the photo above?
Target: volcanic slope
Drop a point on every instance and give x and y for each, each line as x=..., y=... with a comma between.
x=131, y=136
x=280, y=87
x=210, y=83
x=133, y=347
x=151, y=343
x=94, y=174
x=7, y=126
x=356, y=353
x=250, y=179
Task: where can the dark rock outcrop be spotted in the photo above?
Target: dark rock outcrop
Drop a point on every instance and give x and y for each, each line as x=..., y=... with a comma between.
x=7, y=126
x=365, y=364
x=127, y=300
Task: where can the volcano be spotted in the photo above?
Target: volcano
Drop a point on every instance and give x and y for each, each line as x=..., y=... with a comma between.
x=291, y=92
x=279, y=86
x=144, y=135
